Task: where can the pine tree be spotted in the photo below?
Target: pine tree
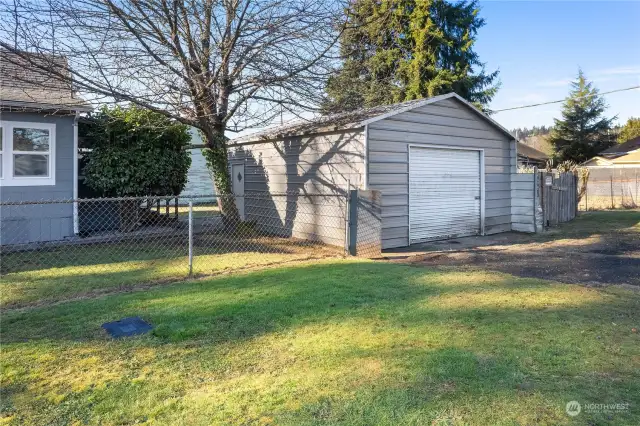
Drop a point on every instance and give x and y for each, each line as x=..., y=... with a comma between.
x=583, y=131
x=398, y=50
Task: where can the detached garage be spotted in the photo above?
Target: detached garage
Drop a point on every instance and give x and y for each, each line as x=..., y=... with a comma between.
x=443, y=167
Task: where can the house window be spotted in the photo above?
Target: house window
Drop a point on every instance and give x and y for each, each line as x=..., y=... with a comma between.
x=27, y=153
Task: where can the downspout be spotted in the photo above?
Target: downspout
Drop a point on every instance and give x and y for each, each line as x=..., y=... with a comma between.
x=76, y=226
x=366, y=157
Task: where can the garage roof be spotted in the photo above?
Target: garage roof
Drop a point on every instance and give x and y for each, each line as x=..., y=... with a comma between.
x=353, y=120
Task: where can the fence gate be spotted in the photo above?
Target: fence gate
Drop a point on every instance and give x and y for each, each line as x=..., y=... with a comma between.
x=559, y=194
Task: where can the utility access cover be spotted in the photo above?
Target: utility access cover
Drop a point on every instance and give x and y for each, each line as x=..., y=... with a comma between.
x=127, y=327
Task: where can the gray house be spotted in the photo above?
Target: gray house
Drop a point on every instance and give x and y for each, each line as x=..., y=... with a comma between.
x=443, y=167
x=199, y=179
x=38, y=150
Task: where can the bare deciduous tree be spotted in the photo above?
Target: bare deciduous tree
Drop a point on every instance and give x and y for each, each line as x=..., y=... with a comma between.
x=217, y=65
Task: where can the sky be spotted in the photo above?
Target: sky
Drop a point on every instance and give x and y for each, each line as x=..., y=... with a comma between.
x=538, y=47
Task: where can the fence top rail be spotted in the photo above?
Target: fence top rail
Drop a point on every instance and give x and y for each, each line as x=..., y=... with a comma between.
x=155, y=198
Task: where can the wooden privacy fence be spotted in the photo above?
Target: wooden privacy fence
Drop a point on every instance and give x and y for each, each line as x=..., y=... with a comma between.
x=542, y=199
x=558, y=197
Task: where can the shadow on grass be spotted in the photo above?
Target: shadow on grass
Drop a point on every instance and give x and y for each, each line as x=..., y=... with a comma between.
x=59, y=284
x=100, y=255
x=458, y=386
x=243, y=306
x=443, y=346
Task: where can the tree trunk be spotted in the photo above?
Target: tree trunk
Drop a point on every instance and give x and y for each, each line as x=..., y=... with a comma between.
x=217, y=160
x=128, y=214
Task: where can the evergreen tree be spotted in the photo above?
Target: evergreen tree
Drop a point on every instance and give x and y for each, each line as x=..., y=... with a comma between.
x=398, y=50
x=583, y=131
x=630, y=130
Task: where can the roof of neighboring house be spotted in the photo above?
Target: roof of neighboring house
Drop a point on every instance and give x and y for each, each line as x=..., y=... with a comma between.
x=529, y=152
x=629, y=158
x=621, y=148
x=354, y=119
x=632, y=157
x=24, y=86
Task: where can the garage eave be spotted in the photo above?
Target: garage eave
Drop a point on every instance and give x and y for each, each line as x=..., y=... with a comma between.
x=435, y=99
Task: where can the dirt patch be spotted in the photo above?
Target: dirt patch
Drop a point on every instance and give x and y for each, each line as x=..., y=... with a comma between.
x=568, y=267
x=597, y=259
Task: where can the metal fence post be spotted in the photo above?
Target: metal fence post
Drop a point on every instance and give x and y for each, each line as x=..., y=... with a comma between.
x=347, y=207
x=637, y=202
x=611, y=181
x=353, y=222
x=190, y=238
x=535, y=199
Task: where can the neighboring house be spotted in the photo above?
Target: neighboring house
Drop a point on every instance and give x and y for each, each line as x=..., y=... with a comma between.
x=444, y=169
x=38, y=149
x=199, y=180
x=528, y=156
x=623, y=155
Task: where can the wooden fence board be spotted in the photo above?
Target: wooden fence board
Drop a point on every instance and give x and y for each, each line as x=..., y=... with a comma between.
x=559, y=199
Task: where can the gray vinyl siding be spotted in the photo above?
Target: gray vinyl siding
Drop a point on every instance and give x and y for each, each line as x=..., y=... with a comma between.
x=449, y=123
x=295, y=171
x=526, y=211
x=35, y=223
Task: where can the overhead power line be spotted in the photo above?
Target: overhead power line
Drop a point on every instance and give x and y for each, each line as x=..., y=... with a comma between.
x=562, y=100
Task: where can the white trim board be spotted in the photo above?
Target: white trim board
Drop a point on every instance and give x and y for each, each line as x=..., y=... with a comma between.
x=76, y=222
x=8, y=179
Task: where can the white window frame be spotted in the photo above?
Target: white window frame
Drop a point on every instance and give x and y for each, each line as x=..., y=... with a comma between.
x=7, y=178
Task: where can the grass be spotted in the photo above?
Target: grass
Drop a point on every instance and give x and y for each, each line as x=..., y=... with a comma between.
x=617, y=222
x=334, y=342
x=199, y=210
x=600, y=202
x=85, y=270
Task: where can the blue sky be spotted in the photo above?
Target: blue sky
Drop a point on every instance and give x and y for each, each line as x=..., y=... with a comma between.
x=538, y=47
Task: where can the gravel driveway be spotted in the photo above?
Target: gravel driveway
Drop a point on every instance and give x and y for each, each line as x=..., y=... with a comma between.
x=598, y=248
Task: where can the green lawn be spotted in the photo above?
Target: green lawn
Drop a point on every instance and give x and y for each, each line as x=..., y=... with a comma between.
x=86, y=270
x=333, y=342
x=199, y=210
x=617, y=222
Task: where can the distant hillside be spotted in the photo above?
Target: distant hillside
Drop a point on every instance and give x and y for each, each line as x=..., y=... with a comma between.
x=525, y=132
x=538, y=137
x=539, y=142
x=535, y=137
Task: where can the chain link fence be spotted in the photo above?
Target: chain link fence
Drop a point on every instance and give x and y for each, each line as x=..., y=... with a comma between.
x=611, y=188
x=116, y=243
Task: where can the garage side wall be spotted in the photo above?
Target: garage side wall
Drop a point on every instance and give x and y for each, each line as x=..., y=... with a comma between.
x=447, y=123
x=306, y=178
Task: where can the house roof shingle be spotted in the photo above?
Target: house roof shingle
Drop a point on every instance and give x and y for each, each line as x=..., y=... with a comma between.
x=24, y=86
x=622, y=148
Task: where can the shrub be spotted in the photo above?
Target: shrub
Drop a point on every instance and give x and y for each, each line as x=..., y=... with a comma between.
x=135, y=152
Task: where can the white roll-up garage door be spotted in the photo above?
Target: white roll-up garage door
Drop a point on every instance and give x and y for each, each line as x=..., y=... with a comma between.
x=444, y=193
